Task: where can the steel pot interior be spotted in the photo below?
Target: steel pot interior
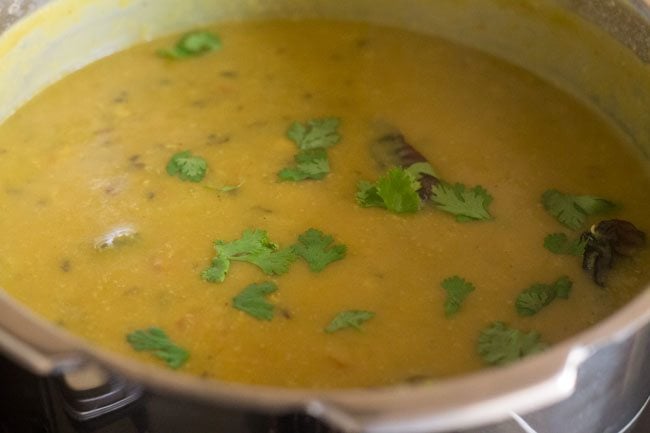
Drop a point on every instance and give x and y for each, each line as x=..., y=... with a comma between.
x=598, y=51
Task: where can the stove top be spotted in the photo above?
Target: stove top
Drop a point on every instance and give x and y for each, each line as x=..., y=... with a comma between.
x=30, y=404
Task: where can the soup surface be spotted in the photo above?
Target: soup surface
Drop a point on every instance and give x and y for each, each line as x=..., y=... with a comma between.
x=102, y=235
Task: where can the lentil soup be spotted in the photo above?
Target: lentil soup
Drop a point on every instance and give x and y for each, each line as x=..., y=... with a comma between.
x=118, y=180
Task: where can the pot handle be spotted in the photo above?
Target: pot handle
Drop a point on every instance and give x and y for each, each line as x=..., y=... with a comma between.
x=34, y=343
x=492, y=397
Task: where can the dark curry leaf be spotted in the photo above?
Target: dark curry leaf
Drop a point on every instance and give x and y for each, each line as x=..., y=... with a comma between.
x=605, y=241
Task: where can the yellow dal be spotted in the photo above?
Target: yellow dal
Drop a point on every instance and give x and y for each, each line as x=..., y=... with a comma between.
x=69, y=173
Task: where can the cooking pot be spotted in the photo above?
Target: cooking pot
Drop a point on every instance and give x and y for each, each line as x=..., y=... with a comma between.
x=597, y=381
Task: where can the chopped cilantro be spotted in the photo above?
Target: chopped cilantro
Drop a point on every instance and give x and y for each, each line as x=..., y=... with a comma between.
x=192, y=45
x=252, y=300
x=563, y=287
x=572, y=210
x=457, y=290
x=349, y=319
x=274, y=262
x=253, y=247
x=368, y=195
x=559, y=243
x=217, y=271
x=253, y=242
x=498, y=344
x=187, y=166
x=466, y=204
x=539, y=295
x=317, y=249
x=315, y=133
x=312, y=138
x=396, y=191
x=156, y=341
x=310, y=164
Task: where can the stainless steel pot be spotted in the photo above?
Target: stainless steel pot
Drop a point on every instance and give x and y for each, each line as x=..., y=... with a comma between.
x=599, y=50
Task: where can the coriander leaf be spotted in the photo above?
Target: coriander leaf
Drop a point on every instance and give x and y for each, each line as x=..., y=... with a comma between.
x=396, y=191
x=498, y=344
x=274, y=262
x=563, y=208
x=156, y=341
x=187, y=166
x=349, y=319
x=392, y=150
x=592, y=205
x=457, y=290
x=310, y=164
x=572, y=210
x=217, y=271
x=559, y=243
x=563, y=287
x=466, y=204
x=368, y=196
x=253, y=247
x=252, y=242
x=317, y=249
x=539, y=295
x=315, y=133
x=534, y=298
x=399, y=191
x=192, y=45
x=252, y=300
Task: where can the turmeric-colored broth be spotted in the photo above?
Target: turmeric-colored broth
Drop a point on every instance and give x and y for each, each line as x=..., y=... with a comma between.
x=89, y=154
